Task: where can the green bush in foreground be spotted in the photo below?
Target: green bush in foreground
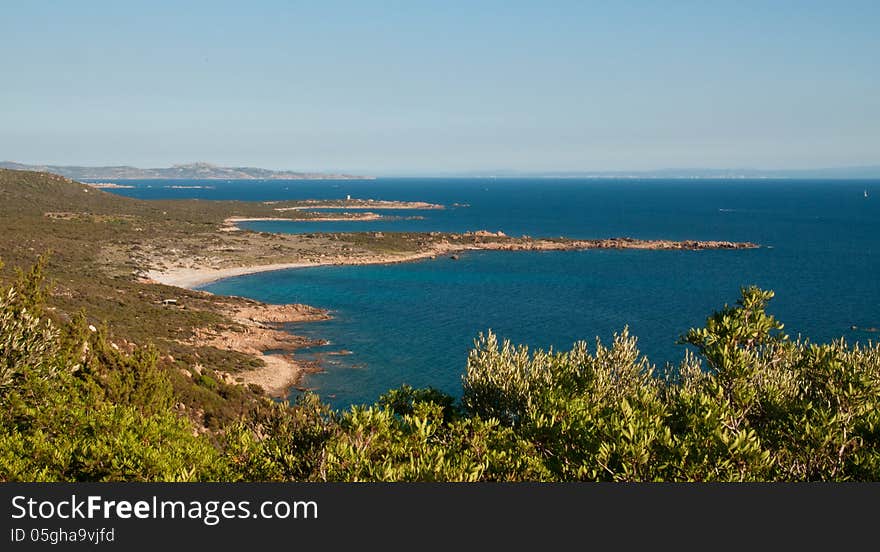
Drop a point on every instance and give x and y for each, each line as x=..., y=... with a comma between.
x=74, y=408
x=750, y=404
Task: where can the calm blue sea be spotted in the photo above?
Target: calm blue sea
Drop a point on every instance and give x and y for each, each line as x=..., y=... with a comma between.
x=414, y=323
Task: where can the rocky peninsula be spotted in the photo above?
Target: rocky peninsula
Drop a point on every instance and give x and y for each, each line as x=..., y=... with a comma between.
x=133, y=265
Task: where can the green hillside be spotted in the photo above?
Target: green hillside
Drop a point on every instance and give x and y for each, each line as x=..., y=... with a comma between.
x=101, y=381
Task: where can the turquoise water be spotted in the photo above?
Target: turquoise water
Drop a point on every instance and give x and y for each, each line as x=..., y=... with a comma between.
x=414, y=323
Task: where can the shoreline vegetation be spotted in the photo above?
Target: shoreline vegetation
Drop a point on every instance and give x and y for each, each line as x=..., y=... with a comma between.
x=751, y=405
x=154, y=253
x=162, y=250
x=106, y=375
x=282, y=371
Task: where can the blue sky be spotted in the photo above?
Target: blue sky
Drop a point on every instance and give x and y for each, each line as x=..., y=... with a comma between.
x=429, y=87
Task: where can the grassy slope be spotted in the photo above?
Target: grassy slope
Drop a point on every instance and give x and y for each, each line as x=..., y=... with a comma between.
x=98, y=244
x=90, y=272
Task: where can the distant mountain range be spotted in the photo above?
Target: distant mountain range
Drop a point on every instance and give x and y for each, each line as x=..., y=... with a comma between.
x=191, y=171
x=206, y=171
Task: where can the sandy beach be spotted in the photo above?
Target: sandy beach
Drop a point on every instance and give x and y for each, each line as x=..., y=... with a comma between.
x=260, y=322
x=190, y=278
x=194, y=276
x=259, y=330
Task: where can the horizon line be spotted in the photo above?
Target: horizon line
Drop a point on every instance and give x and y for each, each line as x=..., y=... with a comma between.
x=475, y=172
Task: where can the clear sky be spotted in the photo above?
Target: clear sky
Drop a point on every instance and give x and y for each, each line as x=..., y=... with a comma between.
x=422, y=87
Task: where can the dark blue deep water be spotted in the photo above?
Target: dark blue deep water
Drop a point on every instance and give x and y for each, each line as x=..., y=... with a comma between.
x=414, y=323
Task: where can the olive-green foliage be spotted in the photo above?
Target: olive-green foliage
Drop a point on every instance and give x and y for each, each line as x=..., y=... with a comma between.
x=404, y=399
x=764, y=408
x=592, y=417
x=747, y=403
x=377, y=443
x=282, y=444
x=73, y=407
x=27, y=344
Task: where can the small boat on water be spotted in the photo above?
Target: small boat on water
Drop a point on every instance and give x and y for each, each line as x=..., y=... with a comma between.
x=866, y=193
